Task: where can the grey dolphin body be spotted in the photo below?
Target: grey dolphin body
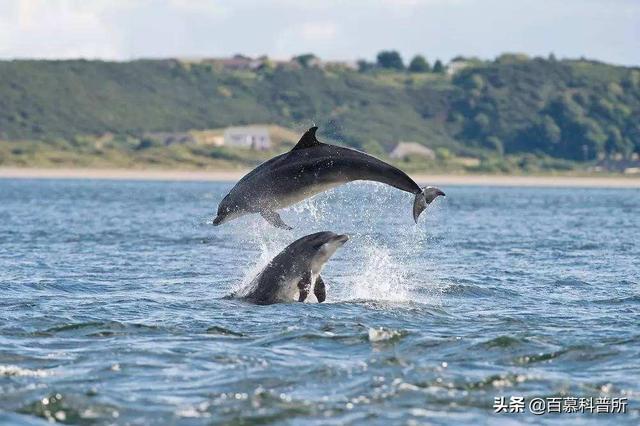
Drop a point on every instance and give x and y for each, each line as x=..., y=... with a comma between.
x=309, y=168
x=294, y=274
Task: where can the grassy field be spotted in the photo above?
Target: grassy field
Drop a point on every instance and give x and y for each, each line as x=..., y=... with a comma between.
x=114, y=152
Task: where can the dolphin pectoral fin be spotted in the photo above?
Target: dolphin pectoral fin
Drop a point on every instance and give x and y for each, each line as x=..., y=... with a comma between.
x=304, y=285
x=320, y=290
x=303, y=294
x=423, y=199
x=274, y=219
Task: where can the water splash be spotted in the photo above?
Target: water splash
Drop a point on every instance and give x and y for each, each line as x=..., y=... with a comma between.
x=14, y=370
x=269, y=242
x=378, y=277
x=315, y=209
x=366, y=268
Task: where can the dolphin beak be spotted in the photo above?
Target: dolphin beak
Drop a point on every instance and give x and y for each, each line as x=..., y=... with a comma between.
x=342, y=238
x=218, y=220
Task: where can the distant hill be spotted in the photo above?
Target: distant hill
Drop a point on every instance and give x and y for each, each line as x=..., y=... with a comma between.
x=570, y=110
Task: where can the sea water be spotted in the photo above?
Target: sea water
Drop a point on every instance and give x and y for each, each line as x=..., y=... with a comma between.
x=112, y=308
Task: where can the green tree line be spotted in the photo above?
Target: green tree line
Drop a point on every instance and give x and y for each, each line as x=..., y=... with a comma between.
x=569, y=109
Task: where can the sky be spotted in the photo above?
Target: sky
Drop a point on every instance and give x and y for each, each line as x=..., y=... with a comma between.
x=605, y=30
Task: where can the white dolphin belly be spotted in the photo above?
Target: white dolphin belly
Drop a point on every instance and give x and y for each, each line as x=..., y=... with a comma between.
x=303, y=193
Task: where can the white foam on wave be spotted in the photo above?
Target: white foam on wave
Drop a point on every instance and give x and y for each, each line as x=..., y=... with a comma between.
x=381, y=334
x=14, y=370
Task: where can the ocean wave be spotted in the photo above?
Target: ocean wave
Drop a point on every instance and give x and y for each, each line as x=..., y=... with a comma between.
x=381, y=334
x=14, y=370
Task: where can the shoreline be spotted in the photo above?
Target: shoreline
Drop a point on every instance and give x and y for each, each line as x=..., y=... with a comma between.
x=234, y=175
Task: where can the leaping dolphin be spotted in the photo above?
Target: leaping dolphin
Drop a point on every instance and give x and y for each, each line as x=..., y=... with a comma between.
x=294, y=274
x=309, y=168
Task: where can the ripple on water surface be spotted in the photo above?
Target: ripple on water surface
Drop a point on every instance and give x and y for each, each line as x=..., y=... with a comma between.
x=114, y=308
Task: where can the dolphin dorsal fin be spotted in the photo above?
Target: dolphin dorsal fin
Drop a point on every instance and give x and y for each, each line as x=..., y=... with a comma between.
x=308, y=140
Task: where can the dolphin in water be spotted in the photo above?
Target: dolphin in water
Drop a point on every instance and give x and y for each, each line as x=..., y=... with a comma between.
x=309, y=168
x=294, y=274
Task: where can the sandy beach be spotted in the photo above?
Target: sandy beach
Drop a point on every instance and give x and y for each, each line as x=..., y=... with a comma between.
x=234, y=175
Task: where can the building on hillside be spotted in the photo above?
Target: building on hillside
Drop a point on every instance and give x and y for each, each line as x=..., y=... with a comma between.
x=403, y=150
x=250, y=137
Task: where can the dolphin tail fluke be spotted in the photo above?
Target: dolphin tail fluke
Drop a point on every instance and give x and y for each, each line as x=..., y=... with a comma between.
x=423, y=199
x=275, y=219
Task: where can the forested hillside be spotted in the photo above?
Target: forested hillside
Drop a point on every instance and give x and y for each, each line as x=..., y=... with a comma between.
x=574, y=110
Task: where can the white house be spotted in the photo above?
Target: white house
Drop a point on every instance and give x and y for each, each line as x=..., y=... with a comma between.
x=249, y=137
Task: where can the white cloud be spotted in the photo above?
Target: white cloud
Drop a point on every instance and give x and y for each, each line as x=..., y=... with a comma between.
x=56, y=29
x=207, y=7
x=316, y=36
x=108, y=29
x=124, y=29
x=415, y=3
